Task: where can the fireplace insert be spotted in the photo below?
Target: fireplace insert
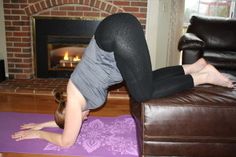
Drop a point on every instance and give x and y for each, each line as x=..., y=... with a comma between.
x=64, y=53
x=59, y=44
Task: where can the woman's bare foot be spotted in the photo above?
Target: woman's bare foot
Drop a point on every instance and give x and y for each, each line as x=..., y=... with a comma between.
x=195, y=67
x=209, y=74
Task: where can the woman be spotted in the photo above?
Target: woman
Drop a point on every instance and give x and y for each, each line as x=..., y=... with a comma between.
x=118, y=51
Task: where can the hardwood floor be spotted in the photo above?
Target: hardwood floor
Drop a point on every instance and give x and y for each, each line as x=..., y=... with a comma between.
x=46, y=104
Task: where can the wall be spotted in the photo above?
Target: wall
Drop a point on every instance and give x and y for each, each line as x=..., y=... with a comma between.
x=18, y=15
x=151, y=31
x=164, y=27
x=162, y=32
x=3, y=53
x=175, y=32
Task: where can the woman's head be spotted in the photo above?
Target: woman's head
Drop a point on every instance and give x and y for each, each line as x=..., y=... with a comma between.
x=59, y=115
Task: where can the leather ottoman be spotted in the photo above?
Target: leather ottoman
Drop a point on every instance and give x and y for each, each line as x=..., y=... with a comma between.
x=196, y=122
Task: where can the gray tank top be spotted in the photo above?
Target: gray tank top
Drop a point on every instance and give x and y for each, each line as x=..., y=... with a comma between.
x=95, y=72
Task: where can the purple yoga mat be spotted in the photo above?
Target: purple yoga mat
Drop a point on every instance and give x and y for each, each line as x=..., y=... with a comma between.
x=99, y=137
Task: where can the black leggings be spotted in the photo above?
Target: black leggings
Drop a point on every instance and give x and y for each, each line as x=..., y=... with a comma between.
x=123, y=34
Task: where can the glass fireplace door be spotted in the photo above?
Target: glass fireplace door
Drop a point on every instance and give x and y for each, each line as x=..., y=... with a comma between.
x=64, y=53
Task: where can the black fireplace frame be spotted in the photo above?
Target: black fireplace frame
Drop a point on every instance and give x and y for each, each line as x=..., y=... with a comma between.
x=82, y=29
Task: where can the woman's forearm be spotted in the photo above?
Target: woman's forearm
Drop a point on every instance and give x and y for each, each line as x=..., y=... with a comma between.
x=49, y=124
x=38, y=126
x=54, y=138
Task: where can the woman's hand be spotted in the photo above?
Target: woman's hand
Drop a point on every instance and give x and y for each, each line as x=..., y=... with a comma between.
x=27, y=134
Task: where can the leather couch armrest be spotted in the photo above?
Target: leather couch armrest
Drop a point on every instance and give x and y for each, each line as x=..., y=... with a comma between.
x=191, y=56
x=190, y=41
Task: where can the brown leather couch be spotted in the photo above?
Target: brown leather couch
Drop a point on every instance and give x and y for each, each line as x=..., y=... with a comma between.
x=199, y=122
x=214, y=39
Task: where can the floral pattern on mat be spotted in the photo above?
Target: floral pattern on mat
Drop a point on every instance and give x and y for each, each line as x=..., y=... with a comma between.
x=116, y=137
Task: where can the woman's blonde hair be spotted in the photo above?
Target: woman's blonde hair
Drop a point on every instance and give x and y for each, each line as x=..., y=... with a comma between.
x=59, y=115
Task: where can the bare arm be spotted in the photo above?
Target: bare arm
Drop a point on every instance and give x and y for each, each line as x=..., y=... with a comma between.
x=73, y=116
x=73, y=122
x=39, y=126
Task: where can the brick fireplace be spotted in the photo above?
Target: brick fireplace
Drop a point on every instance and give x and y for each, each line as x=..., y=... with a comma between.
x=19, y=16
x=18, y=24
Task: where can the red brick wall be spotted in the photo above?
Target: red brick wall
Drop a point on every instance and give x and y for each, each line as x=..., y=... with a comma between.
x=18, y=14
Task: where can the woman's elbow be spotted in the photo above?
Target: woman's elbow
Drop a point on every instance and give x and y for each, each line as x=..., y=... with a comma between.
x=67, y=143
